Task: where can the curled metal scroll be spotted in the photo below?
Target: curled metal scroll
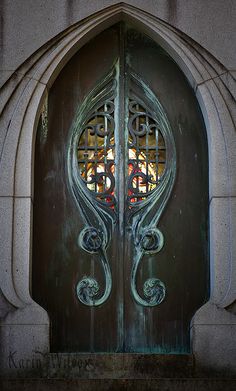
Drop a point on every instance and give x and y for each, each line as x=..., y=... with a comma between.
x=97, y=213
x=87, y=288
x=97, y=164
x=145, y=215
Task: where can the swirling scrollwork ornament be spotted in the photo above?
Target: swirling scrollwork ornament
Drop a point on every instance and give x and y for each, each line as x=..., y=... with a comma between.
x=154, y=290
x=152, y=170
x=152, y=240
x=96, y=152
x=91, y=180
x=87, y=289
x=90, y=239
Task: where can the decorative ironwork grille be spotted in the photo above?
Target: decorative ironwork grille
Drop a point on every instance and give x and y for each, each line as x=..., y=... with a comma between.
x=147, y=153
x=96, y=153
x=121, y=157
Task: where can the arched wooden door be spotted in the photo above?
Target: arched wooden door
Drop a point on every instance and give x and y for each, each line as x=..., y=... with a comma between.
x=120, y=247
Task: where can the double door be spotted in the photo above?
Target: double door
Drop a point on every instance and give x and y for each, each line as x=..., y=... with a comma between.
x=120, y=214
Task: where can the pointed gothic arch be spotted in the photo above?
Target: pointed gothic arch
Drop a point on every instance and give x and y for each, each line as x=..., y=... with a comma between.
x=23, y=95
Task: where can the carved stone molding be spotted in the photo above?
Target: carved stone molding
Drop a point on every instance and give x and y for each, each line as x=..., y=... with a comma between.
x=21, y=100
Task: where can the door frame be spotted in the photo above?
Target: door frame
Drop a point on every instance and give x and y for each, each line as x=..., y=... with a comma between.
x=23, y=98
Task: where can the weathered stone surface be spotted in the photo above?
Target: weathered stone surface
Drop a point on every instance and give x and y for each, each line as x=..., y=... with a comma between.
x=22, y=248
x=6, y=281
x=26, y=330
x=5, y=306
x=223, y=250
x=11, y=138
x=214, y=341
x=211, y=314
x=122, y=365
x=215, y=349
x=120, y=384
x=38, y=363
x=221, y=137
x=229, y=79
x=50, y=18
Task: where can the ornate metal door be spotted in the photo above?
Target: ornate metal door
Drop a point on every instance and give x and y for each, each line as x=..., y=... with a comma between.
x=120, y=213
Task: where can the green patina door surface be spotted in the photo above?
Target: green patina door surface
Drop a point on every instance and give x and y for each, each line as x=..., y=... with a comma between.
x=120, y=246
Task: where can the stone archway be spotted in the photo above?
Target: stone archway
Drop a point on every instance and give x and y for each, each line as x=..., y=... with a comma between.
x=22, y=96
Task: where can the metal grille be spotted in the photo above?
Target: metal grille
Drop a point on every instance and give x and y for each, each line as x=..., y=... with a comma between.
x=127, y=140
x=96, y=153
x=147, y=153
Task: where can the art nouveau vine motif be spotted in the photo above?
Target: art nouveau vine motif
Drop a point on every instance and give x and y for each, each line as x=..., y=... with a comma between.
x=88, y=288
x=151, y=175
x=151, y=159
x=91, y=179
x=96, y=153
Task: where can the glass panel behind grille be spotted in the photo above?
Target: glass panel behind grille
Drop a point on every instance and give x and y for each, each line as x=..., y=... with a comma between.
x=147, y=153
x=96, y=153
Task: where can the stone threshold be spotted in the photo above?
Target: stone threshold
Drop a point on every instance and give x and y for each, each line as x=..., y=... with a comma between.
x=110, y=367
x=201, y=384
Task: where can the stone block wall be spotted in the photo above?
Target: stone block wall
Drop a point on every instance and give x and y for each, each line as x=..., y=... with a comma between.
x=37, y=38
